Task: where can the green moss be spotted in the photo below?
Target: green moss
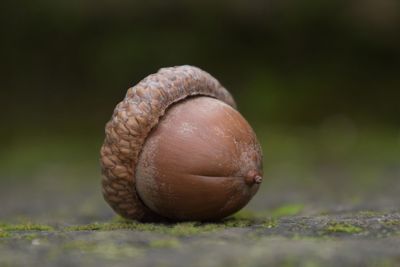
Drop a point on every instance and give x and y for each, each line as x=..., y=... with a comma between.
x=287, y=210
x=25, y=227
x=246, y=215
x=111, y=226
x=165, y=243
x=232, y=222
x=281, y=211
x=241, y=219
x=391, y=223
x=343, y=228
x=192, y=228
x=178, y=229
x=270, y=223
x=369, y=213
x=245, y=218
x=4, y=234
x=94, y=227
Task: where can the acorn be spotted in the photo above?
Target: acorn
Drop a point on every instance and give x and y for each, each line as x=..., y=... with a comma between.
x=177, y=149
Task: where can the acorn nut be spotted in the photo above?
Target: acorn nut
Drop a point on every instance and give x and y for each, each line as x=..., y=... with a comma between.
x=177, y=149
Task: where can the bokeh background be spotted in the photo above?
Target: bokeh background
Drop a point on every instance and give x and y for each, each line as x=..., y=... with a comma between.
x=318, y=80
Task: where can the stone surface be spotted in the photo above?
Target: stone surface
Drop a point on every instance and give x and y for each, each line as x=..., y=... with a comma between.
x=320, y=204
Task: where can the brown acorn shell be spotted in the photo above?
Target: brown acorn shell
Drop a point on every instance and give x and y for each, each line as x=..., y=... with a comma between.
x=133, y=119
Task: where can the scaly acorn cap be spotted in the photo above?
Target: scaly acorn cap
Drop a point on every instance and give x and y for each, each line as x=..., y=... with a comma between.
x=134, y=118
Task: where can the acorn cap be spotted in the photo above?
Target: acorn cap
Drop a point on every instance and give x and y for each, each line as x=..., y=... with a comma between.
x=134, y=118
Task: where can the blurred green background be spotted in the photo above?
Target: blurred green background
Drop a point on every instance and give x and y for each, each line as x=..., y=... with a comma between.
x=318, y=80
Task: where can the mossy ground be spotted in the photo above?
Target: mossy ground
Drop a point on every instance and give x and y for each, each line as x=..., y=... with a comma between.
x=247, y=237
x=320, y=225
x=28, y=226
x=343, y=228
x=325, y=201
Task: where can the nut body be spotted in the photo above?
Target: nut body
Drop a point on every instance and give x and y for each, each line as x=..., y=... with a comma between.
x=176, y=148
x=195, y=164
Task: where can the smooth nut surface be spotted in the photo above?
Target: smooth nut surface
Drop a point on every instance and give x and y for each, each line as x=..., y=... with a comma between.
x=201, y=162
x=132, y=121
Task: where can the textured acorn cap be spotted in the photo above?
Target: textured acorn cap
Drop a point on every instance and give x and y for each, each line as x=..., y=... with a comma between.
x=132, y=121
